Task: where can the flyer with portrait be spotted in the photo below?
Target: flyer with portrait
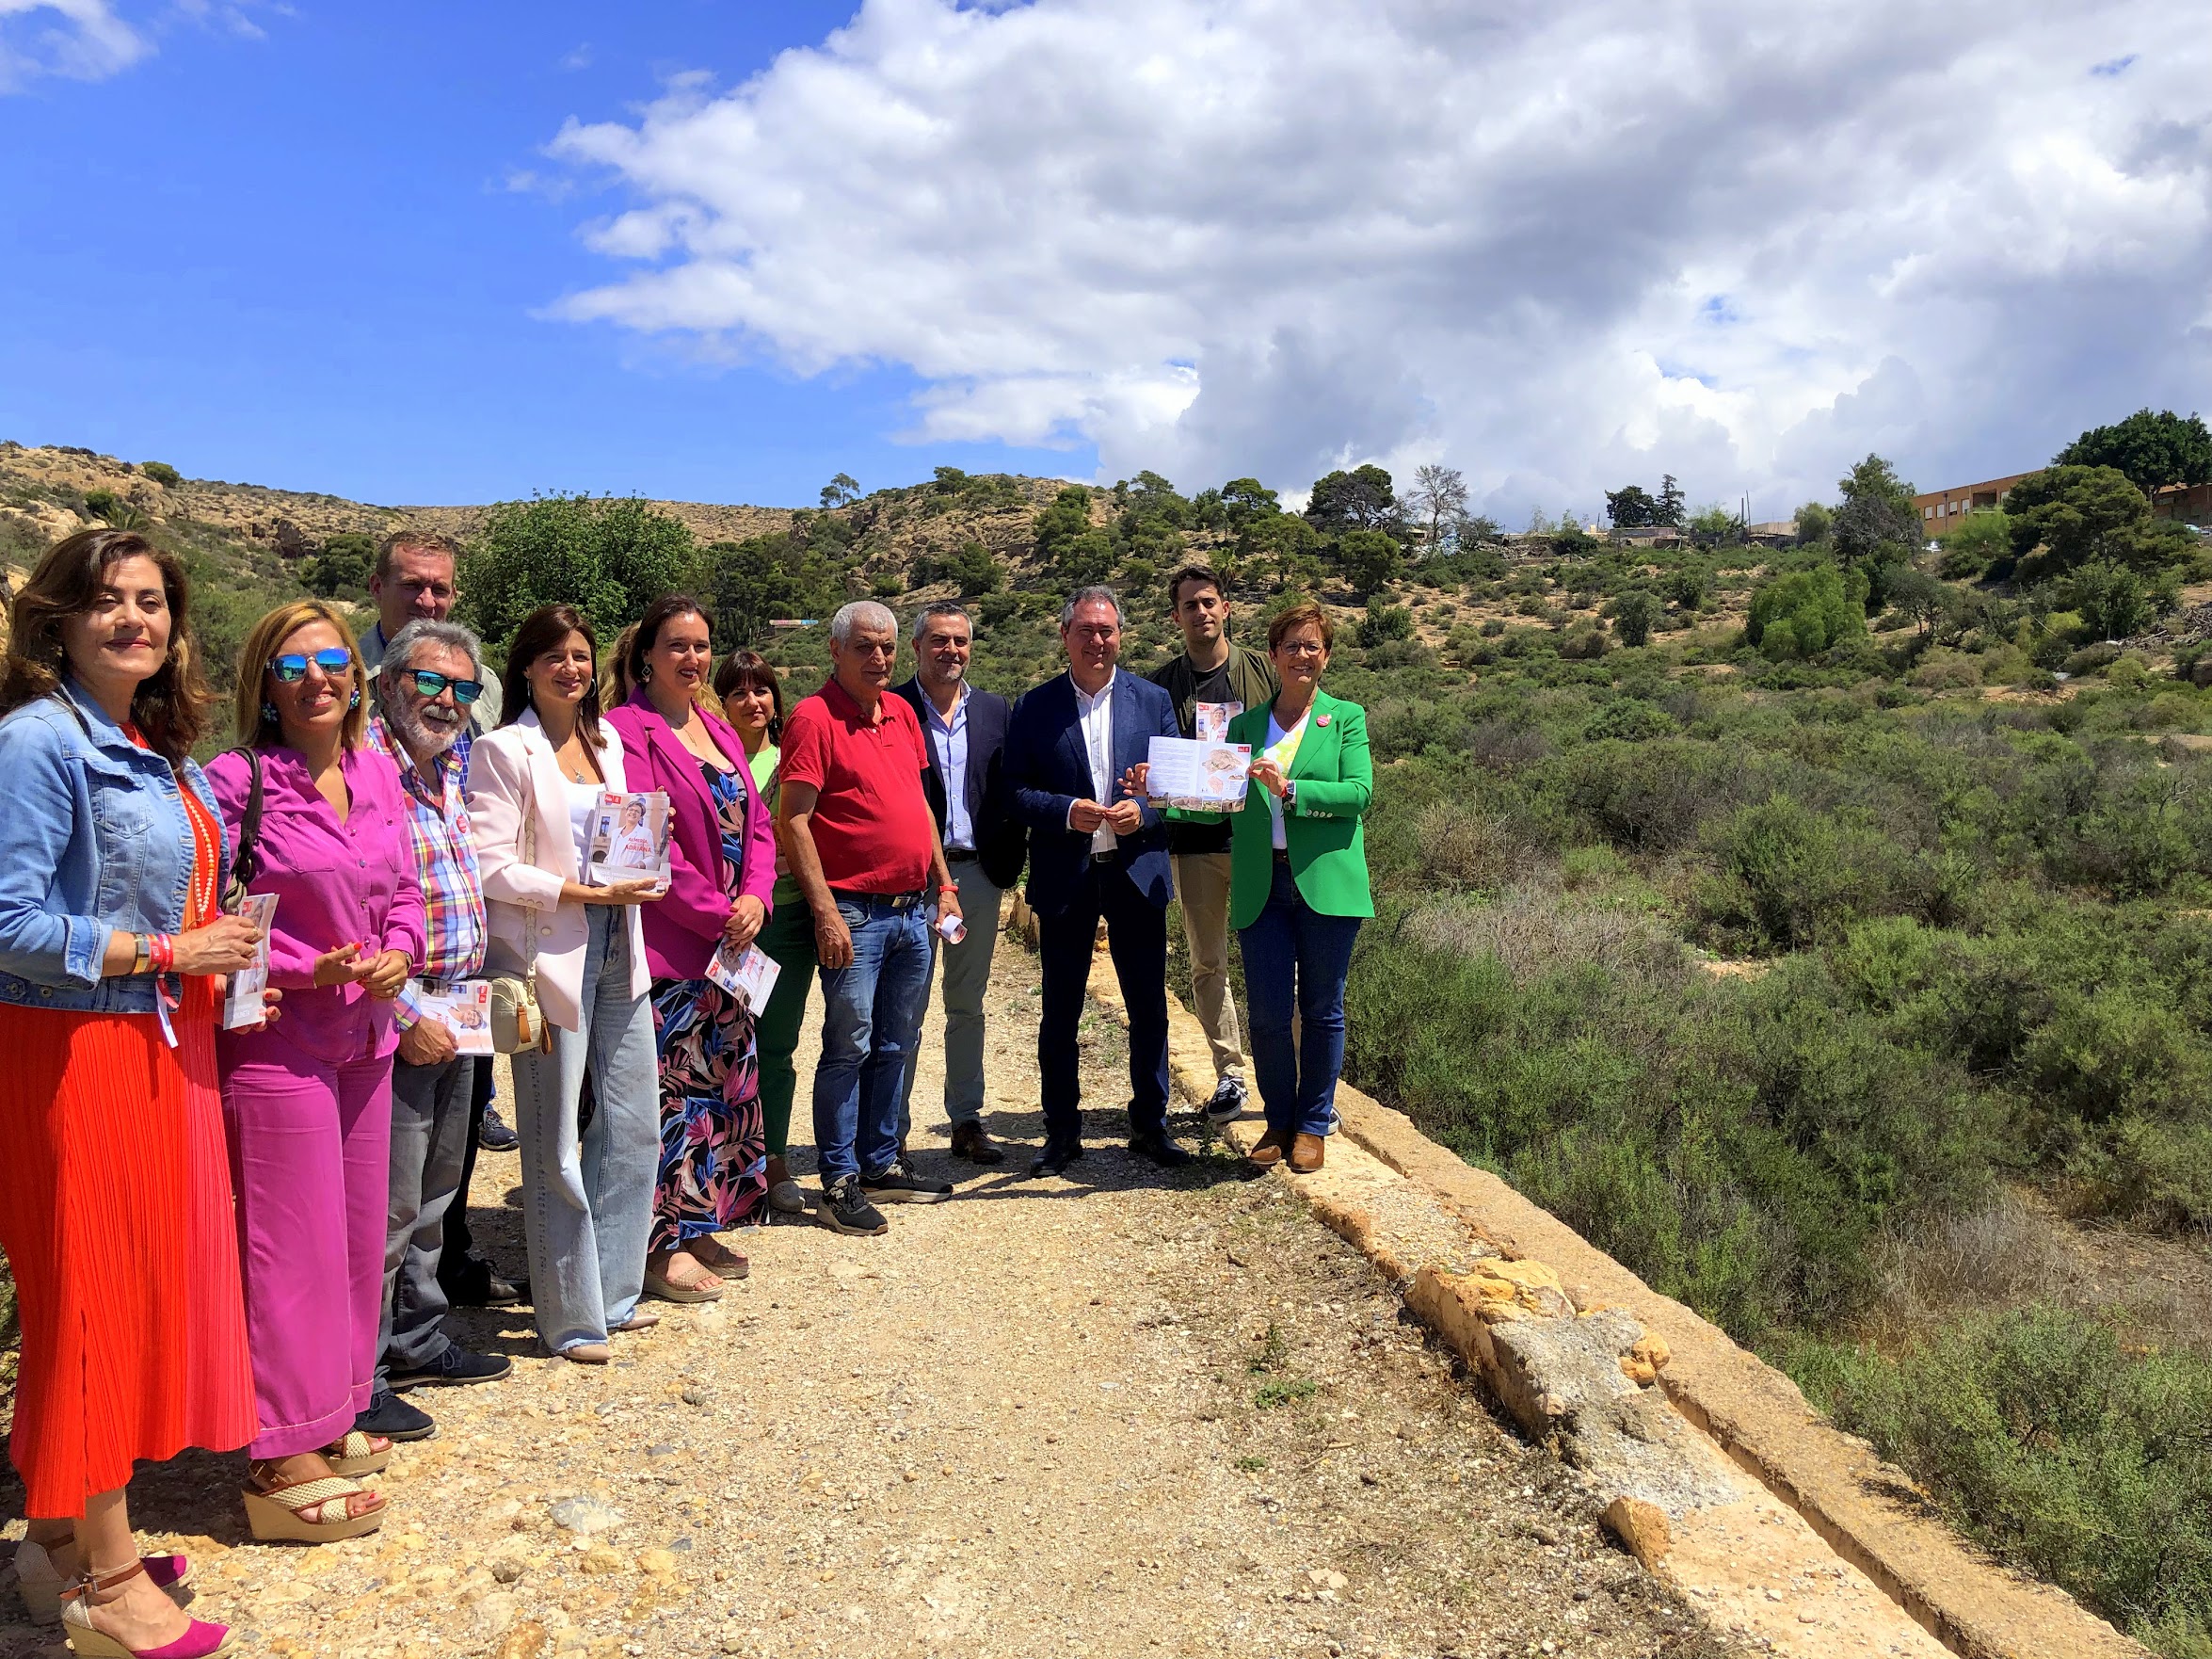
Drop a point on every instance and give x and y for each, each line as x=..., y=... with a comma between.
x=749, y=972
x=1185, y=772
x=628, y=838
x=241, y=1004
x=1209, y=721
x=466, y=1008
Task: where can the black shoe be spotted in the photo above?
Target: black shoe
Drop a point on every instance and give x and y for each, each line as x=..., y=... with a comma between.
x=1227, y=1104
x=1156, y=1145
x=970, y=1142
x=395, y=1419
x=474, y=1284
x=899, y=1185
x=493, y=1135
x=1056, y=1156
x=844, y=1208
x=452, y=1369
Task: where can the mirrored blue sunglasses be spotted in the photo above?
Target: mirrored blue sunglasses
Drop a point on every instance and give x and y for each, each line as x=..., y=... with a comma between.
x=429, y=681
x=292, y=666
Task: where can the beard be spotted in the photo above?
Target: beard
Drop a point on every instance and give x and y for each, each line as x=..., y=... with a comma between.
x=422, y=733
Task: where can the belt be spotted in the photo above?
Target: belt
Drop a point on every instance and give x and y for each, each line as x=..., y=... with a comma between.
x=891, y=901
x=1101, y=858
x=961, y=855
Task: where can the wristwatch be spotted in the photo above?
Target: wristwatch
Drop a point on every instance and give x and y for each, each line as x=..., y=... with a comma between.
x=1290, y=794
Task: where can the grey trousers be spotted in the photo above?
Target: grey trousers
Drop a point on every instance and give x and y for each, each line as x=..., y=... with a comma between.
x=968, y=975
x=430, y=1111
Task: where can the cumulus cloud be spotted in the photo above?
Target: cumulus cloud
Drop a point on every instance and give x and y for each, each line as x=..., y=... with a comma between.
x=1560, y=247
x=81, y=39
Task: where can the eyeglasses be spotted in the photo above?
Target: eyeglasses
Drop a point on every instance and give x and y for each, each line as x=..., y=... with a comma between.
x=292, y=666
x=430, y=682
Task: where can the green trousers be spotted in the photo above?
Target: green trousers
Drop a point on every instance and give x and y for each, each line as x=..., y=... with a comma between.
x=788, y=939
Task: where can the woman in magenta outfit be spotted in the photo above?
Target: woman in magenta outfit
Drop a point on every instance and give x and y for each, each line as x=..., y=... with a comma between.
x=308, y=1102
x=722, y=857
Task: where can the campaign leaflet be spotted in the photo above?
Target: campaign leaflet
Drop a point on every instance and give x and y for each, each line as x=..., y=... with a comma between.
x=750, y=974
x=241, y=1004
x=628, y=839
x=1185, y=772
x=1210, y=720
x=466, y=1008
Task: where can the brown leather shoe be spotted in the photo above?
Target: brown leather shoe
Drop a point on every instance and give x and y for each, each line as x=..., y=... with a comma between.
x=1267, y=1152
x=970, y=1142
x=1307, y=1152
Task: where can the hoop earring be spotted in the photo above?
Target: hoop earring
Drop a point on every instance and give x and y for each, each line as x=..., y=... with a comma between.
x=268, y=713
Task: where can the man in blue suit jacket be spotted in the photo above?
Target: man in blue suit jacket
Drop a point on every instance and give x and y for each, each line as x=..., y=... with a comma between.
x=1094, y=852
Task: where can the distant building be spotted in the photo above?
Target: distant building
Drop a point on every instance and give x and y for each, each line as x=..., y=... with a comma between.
x=2189, y=502
x=1940, y=510
x=1645, y=535
x=1772, y=532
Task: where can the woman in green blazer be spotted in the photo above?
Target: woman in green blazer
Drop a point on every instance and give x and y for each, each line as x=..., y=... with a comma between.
x=1298, y=884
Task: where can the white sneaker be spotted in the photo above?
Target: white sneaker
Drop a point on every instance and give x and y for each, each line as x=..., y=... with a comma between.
x=1227, y=1104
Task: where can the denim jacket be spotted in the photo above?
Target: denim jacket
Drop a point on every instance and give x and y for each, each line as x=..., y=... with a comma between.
x=96, y=840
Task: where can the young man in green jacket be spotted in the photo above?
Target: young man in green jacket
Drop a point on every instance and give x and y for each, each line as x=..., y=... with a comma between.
x=1216, y=680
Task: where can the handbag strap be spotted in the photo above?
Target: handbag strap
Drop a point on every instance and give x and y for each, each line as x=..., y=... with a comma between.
x=247, y=865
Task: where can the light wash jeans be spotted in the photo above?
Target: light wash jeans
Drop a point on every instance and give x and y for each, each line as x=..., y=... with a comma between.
x=587, y=1202
x=870, y=1013
x=968, y=975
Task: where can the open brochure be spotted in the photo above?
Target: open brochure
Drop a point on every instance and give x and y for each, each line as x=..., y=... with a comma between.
x=750, y=974
x=1185, y=772
x=466, y=1008
x=241, y=1004
x=628, y=838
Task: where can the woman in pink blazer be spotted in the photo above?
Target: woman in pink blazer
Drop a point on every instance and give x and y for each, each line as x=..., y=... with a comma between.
x=722, y=856
x=534, y=791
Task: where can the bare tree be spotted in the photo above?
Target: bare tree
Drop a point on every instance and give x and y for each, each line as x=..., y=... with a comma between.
x=1439, y=494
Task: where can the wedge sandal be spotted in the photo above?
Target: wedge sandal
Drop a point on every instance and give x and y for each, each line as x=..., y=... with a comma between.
x=200, y=1640
x=311, y=1511
x=358, y=1454
x=39, y=1582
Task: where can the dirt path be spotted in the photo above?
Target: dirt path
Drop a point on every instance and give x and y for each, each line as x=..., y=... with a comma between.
x=1102, y=1416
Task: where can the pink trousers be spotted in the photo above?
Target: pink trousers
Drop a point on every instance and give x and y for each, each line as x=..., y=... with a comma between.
x=311, y=1158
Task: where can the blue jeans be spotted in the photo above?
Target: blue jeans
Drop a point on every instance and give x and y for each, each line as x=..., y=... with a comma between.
x=870, y=1019
x=587, y=1202
x=1296, y=959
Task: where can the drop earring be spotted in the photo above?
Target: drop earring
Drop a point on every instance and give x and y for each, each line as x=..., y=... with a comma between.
x=356, y=702
x=645, y=675
x=268, y=713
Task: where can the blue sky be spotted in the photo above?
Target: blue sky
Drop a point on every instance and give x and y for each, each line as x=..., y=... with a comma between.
x=425, y=254
x=295, y=260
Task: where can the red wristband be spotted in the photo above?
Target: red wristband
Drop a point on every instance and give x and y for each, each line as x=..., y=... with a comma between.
x=162, y=953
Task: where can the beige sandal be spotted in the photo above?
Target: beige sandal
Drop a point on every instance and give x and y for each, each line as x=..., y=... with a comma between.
x=357, y=1453
x=706, y=1288
x=312, y=1511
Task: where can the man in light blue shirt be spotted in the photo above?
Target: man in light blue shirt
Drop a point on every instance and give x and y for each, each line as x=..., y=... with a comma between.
x=983, y=848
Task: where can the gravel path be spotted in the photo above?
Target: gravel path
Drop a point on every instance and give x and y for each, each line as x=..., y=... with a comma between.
x=1113, y=1415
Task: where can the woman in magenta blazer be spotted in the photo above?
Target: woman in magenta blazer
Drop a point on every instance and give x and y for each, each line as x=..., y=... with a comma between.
x=308, y=1102
x=722, y=857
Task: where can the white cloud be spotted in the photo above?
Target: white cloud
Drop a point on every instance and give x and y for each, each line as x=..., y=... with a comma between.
x=1562, y=247
x=80, y=39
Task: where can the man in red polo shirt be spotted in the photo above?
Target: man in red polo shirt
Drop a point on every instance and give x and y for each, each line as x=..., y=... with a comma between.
x=863, y=845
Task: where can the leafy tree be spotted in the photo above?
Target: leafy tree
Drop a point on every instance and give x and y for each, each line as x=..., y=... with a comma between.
x=1439, y=494
x=1068, y=517
x=1570, y=541
x=1877, y=528
x=1634, y=614
x=1371, y=559
x=1480, y=531
x=950, y=480
x=1087, y=560
x=609, y=555
x=1150, y=496
x=974, y=569
x=1713, y=525
x=343, y=566
x=749, y=584
x=1278, y=535
x=841, y=490
x=1362, y=499
x=113, y=510
x=1384, y=622
x=1246, y=499
x=1630, y=506
x=2065, y=516
x=1918, y=596
x=162, y=474
x=2153, y=450
x=1671, y=503
x=2114, y=602
x=1685, y=585
x=1976, y=542
x=1814, y=521
x=1803, y=613
x=1207, y=510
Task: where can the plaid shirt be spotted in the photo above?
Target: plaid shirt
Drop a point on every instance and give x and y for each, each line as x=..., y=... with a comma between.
x=445, y=864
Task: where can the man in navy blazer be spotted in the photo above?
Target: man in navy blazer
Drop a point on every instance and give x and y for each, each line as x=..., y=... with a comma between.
x=985, y=844
x=1095, y=852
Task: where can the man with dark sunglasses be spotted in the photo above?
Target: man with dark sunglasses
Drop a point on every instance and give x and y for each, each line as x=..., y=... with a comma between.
x=414, y=580
x=430, y=676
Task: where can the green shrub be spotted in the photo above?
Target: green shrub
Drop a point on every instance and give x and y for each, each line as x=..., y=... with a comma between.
x=2069, y=1457
x=1803, y=613
x=162, y=474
